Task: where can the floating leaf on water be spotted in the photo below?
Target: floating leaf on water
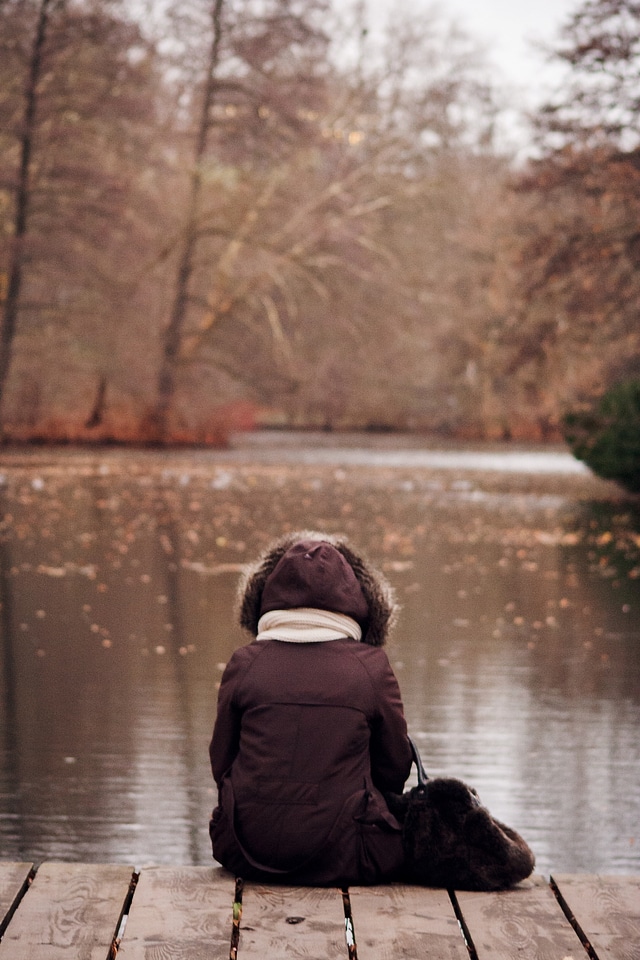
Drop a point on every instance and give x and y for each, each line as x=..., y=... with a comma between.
x=51, y=571
x=398, y=566
x=221, y=481
x=214, y=569
x=166, y=544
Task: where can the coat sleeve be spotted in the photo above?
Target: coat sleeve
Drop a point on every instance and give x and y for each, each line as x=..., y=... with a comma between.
x=391, y=756
x=225, y=741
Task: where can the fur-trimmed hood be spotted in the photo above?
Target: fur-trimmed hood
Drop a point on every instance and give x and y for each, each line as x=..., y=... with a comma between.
x=377, y=591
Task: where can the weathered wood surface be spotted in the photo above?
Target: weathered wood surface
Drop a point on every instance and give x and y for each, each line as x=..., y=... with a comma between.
x=526, y=922
x=607, y=911
x=71, y=911
x=283, y=923
x=13, y=880
x=179, y=912
x=403, y=921
x=95, y=912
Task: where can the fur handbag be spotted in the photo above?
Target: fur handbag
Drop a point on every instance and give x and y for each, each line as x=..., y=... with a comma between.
x=452, y=841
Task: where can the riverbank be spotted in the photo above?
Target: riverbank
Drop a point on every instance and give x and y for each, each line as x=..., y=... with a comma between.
x=547, y=469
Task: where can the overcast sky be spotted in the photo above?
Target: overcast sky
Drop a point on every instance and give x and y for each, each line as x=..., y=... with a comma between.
x=506, y=27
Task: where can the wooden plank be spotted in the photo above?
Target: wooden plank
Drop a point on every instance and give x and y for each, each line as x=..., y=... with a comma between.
x=607, y=910
x=289, y=922
x=13, y=880
x=71, y=911
x=179, y=912
x=526, y=922
x=405, y=921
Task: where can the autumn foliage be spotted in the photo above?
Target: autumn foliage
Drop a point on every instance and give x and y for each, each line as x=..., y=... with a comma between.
x=231, y=206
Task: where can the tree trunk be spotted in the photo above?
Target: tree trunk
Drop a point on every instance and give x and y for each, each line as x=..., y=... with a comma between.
x=14, y=285
x=96, y=417
x=166, y=388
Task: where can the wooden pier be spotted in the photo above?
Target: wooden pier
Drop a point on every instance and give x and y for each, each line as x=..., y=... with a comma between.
x=97, y=912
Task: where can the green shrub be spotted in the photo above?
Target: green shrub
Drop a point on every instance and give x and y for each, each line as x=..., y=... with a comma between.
x=606, y=436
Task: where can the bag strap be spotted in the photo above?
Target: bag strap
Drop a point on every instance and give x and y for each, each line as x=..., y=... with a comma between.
x=422, y=773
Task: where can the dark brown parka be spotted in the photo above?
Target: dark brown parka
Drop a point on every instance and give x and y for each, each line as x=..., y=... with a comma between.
x=309, y=736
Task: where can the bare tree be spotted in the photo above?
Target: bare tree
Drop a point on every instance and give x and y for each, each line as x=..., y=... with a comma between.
x=250, y=95
x=158, y=420
x=29, y=118
x=80, y=172
x=331, y=227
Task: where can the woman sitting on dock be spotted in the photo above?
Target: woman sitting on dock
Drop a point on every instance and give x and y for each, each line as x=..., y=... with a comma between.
x=310, y=731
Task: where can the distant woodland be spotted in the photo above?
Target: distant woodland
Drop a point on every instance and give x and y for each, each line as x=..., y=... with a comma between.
x=215, y=213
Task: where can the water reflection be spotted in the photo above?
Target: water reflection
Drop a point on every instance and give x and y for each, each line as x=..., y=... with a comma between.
x=517, y=650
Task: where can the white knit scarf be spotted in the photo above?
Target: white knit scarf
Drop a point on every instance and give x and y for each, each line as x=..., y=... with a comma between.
x=306, y=625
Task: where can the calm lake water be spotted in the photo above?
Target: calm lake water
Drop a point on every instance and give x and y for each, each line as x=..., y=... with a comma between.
x=517, y=651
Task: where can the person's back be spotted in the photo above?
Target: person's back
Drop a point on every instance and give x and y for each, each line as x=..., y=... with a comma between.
x=310, y=729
